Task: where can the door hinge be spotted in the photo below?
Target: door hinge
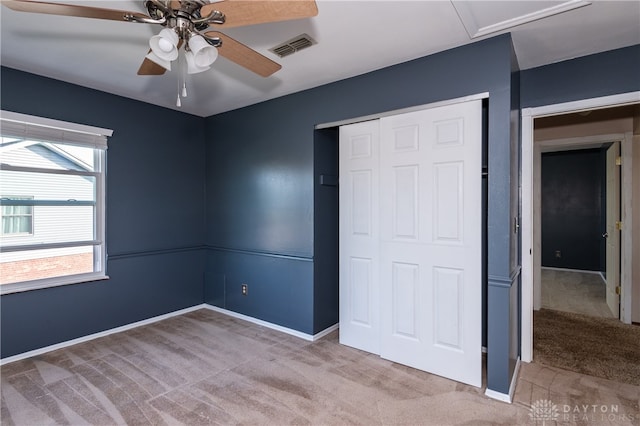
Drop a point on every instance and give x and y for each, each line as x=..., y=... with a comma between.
x=618, y=226
x=618, y=290
x=618, y=161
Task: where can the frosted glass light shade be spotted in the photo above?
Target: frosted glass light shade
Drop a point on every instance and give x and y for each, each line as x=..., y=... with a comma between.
x=203, y=53
x=192, y=67
x=164, y=45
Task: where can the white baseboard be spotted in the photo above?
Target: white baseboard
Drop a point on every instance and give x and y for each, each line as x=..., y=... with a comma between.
x=272, y=326
x=600, y=273
x=550, y=268
x=498, y=395
x=514, y=380
x=504, y=397
x=326, y=331
x=88, y=337
x=604, y=279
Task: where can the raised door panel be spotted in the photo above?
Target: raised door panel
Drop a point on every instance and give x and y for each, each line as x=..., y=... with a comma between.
x=448, y=289
x=404, y=202
x=448, y=212
x=360, y=309
x=361, y=189
x=405, y=282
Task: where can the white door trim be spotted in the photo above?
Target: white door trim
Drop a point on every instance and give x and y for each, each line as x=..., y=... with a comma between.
x=626, y=237
x=528, y=116
x=551, y=146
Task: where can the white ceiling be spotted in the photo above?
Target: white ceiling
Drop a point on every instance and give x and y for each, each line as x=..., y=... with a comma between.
x=354, y=37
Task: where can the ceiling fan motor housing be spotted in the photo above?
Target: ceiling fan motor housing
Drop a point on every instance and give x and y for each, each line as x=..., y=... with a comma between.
x=189, y=11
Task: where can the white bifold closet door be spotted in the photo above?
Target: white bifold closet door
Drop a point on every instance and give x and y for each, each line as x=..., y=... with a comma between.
x=359, y=236
x=410, y=239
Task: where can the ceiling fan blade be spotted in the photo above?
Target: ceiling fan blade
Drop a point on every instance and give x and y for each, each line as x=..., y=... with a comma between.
x=245, y=56
x=149, y=67
x=249, y=12
x=69, y=10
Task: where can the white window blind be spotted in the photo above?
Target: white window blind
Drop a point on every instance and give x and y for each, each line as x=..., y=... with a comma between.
x=56, y=171
x=38, y=128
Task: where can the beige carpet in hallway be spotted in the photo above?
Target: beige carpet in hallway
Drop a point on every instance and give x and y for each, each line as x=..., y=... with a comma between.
x=206, y=368
x=574, y=291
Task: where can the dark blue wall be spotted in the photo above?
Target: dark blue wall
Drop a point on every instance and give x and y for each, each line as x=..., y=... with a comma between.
x=262, y=193
x=155, y=216
x=325, y=229
x=264, y=275
x=592, y=76
x=572, y=210
x=503, y=301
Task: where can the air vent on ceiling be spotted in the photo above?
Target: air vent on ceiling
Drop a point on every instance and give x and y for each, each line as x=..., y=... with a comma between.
x=292, y=46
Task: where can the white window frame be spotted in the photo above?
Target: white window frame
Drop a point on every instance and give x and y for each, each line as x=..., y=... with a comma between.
x=56, y=131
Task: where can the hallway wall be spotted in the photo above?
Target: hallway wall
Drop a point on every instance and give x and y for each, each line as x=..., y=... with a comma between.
x=572, y=210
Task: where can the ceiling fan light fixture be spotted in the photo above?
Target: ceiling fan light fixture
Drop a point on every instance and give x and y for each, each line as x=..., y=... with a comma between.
x=192, y=67
x=203, y=53
x=164, y=45
x=163, y=63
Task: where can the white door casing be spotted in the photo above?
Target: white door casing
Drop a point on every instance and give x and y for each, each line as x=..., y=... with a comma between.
x=613, y=232
x=429, y=241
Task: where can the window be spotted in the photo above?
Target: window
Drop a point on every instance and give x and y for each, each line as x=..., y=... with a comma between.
x=17, y=220
x=55, y=234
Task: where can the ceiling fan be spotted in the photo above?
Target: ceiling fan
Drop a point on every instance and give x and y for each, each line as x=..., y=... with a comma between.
x=186, y=23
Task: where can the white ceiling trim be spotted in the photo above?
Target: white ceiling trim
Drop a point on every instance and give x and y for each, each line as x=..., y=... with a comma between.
x=464, y=9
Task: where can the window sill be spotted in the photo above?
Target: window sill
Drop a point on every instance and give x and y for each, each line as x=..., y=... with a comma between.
x=50, y=282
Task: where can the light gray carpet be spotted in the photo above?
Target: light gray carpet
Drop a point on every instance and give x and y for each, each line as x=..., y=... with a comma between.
x=207, y=368
x=578, y=399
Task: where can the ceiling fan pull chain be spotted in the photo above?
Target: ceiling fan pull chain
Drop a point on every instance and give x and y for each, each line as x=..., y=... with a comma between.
x=182, y=78
x=183, y=68
x=178, y=101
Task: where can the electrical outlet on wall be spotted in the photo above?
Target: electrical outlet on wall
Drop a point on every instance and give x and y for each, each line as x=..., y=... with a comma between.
x=245, y=289
x=558, y=254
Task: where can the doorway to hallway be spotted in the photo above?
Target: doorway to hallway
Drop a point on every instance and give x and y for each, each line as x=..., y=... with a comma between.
x=584, y=111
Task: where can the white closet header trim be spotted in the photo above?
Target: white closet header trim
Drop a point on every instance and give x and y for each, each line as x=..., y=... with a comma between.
x=478, y=96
